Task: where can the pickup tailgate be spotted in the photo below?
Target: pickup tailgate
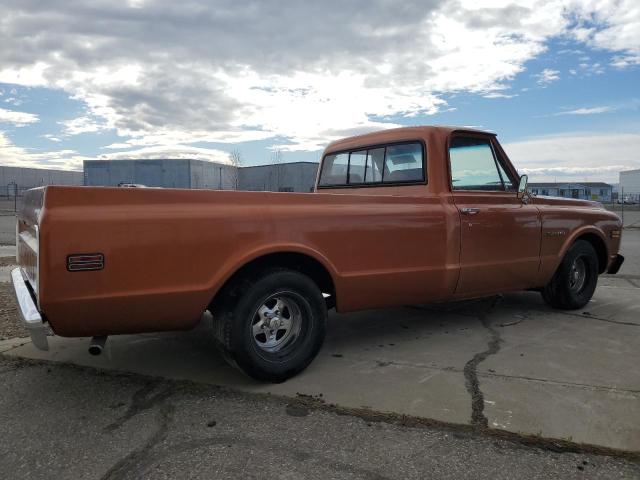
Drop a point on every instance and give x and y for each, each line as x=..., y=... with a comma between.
x=28, y=234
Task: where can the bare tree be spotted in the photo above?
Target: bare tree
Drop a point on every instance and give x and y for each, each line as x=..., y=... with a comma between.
x=235, y=158
x=278, y=168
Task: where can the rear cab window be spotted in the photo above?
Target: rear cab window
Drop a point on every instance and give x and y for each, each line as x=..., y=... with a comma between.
x=378, y=165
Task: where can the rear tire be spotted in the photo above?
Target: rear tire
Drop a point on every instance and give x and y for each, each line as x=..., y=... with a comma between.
x=270, y=325
x=574, y=282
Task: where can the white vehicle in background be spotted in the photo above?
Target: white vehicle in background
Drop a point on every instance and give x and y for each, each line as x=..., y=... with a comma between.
x=131, y=185
x=627, y=200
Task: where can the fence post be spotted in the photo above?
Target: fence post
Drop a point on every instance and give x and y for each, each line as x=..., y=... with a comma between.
x=14, y=186
x=622, y=193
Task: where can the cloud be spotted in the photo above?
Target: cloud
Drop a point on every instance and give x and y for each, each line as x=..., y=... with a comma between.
x=576, y=156
x=15, y=156
x=587, y=111
x=547, y=76
x=611, y=25
x=52, y=138
x=18, y=119
x=499, y=95
x=161, y=72
x=84, y=124
x=173, y=152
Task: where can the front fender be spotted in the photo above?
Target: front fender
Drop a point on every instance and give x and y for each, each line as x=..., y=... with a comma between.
x=581, y=231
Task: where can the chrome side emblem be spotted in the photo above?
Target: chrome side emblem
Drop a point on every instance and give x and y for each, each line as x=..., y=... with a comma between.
x=85, y=261
x=555, y=233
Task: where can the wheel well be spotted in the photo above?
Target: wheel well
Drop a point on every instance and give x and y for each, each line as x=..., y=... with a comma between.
x=305, y=264
x=599, y=246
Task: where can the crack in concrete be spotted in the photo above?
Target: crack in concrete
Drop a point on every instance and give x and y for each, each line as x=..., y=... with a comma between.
x=141, y=400
x=470, y=370
x=123, y=468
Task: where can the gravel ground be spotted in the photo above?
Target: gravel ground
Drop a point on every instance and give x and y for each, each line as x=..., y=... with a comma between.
x=7, y=261
x=9, y=326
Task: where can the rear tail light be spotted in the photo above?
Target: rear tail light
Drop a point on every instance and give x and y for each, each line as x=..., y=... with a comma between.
x=85, y=261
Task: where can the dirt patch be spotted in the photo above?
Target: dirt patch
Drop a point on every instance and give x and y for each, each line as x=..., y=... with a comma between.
x=9, y=326
x=7, y=261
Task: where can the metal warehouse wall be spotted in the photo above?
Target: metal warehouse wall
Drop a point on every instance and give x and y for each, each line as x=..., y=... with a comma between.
x=212, y=175
x=630, y=182
x=288, y=177
x=185, y=173
x=35, y=177
x=169, y=173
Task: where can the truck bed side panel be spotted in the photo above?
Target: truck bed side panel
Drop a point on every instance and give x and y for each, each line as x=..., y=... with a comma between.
x=167, y=252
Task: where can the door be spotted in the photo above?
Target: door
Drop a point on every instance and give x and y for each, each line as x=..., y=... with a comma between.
x=499, y=234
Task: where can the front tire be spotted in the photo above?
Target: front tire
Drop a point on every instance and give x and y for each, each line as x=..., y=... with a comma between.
x=270, y=325
x=574, y=282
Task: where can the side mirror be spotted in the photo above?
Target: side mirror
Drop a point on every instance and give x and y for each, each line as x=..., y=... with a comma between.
x=522, y=186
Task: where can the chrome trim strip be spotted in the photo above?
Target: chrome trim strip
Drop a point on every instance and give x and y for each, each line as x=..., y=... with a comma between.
x=31, y=318
x=37, y=287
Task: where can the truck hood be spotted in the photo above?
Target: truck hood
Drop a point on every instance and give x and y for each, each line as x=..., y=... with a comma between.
x=566, y=202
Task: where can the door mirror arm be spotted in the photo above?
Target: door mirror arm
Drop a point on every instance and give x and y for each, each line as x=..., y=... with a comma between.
x=523, y=193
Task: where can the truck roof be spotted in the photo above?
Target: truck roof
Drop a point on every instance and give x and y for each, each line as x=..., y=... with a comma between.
x=399, y=134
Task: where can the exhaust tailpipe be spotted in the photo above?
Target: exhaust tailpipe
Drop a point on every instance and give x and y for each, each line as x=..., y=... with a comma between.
x=96, y=346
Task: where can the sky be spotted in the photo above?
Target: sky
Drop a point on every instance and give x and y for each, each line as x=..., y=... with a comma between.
x=559, y=81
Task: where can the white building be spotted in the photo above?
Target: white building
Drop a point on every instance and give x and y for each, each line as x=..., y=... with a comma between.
x=630, y=184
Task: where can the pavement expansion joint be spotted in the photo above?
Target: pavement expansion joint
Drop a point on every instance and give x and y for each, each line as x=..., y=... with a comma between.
x=588, y=315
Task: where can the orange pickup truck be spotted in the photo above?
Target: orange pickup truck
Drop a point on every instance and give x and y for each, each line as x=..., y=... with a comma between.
x=405, y=216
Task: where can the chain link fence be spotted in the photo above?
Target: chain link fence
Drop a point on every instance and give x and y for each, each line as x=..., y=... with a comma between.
x=11, y=196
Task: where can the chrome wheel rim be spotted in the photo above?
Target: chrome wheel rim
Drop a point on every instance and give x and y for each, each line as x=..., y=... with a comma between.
x=577, y=274
x=276, y=323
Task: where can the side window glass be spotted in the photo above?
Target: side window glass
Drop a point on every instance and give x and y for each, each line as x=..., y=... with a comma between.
x=334, y=169
x=403, y=163
x=472, y=165
x=357, y=162
x=375, y=160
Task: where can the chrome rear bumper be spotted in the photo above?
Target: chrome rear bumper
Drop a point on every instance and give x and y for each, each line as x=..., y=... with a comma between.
x=31, y=318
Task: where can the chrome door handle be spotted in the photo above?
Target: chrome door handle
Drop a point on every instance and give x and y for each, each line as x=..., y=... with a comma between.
x=469, y=211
